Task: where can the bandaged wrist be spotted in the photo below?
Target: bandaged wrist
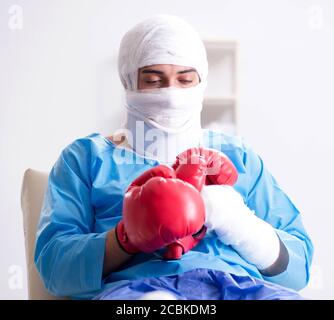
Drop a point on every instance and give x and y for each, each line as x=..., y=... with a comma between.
x=237, y=225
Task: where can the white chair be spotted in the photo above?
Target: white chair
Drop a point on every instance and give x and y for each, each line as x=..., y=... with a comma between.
x=32, y=194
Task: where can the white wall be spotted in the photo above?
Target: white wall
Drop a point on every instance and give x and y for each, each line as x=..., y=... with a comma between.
x=58, y=81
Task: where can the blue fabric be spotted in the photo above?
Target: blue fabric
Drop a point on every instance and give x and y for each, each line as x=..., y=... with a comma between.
x=84, y=201
x=202, y=284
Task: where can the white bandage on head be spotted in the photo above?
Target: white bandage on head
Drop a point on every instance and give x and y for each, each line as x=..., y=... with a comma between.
x=162, y=122
x=162, y=39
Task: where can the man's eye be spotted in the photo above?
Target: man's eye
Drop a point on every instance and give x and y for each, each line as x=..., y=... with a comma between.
x=186, y=81
x=152, y=81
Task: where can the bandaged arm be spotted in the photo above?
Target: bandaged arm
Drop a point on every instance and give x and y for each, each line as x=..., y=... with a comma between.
x=236, y=225
x=262, y=194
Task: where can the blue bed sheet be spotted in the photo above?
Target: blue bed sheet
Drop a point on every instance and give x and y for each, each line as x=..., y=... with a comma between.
x=202, y=284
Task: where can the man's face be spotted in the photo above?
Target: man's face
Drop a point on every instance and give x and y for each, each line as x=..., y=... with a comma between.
x=167, y=75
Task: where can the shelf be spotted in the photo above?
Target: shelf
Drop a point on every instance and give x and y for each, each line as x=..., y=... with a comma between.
x=222, y=68
x=220, y=102
x=216, y=101
x=218, y=44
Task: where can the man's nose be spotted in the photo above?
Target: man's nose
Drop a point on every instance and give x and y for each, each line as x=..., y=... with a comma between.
x=169, y=82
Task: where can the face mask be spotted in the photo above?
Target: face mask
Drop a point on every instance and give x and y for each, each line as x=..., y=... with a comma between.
x=169, y=109
x=164, y=122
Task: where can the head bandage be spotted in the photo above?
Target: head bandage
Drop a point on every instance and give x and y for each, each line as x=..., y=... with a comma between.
x=166, y=121
x=162, y=39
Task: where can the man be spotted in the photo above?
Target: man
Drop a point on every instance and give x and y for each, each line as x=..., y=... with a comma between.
x=253, y=244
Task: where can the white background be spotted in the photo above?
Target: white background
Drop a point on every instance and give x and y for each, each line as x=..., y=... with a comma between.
x=58, y=82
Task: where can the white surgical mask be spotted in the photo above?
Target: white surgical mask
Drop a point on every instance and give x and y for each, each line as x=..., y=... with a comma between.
x=164, y=122
x=168, y=109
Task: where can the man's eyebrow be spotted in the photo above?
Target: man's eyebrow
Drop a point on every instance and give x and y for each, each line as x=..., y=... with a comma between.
x=187, y=70
x=152, y=71
x=161, y=72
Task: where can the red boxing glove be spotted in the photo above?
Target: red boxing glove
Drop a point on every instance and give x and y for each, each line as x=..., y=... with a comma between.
x=159, y=209
x=219, y=168
x=176, y=249
x=195, y=174
x=200, y=166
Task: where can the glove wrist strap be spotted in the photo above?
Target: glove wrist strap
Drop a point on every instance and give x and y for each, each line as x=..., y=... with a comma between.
x=123, y=240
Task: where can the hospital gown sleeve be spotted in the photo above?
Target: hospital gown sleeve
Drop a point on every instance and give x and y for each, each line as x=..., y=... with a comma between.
x=68, y=255
x=271, y=204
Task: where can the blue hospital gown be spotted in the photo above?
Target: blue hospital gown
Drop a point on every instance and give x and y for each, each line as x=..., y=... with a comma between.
x=84, y=200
